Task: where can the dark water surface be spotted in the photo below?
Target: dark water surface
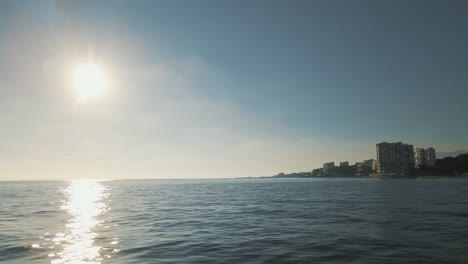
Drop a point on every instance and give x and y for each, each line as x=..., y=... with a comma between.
x=235, y=221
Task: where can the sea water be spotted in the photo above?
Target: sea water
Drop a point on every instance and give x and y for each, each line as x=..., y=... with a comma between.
x=235, y=221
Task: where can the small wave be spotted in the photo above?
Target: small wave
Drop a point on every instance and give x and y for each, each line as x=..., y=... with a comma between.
x=44, y=212
x=14, y=252
x=460, y=214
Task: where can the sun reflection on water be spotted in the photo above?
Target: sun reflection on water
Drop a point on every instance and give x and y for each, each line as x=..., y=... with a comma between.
x=84, y=202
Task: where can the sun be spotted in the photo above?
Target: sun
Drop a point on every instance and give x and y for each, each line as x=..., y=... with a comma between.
x=90, y=80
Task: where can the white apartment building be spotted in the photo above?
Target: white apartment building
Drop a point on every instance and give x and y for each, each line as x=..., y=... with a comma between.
x=425, y=157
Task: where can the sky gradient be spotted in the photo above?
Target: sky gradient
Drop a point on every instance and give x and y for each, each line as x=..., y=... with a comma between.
x=227, y=88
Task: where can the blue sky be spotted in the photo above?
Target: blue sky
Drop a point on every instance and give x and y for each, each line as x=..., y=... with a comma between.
x=227, y=88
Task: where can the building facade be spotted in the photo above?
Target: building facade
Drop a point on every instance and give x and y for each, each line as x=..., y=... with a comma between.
x=420, y=157
x=328, y=167
x=366, y=166
x=431, y=157
x=369, y=163
x=425, y=157
x=394, y=157
x=344, y=164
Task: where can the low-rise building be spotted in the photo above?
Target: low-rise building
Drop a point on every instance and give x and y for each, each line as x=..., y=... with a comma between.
x=328, y=167
x=366, y=166
x=317, y=172
x=368, y=162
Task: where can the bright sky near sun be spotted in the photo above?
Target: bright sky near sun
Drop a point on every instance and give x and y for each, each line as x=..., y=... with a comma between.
x=89, y=80
x=183, y=89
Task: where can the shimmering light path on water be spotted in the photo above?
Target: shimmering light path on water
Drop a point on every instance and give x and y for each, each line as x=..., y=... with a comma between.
x=235, y=221
x=84, y=202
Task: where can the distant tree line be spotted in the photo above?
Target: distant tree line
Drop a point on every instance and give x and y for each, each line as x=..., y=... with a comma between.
x=449, y=166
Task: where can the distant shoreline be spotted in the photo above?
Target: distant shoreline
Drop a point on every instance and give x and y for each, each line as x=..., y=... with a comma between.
x=448, y=167
x=364, y=177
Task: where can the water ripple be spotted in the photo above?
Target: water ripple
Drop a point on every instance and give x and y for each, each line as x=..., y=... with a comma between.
x=235, y=221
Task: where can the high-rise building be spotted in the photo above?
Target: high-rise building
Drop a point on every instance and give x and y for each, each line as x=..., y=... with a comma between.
x=425, y=157
x=344, y=164
x=420, y=157
x=431, y=157
x=394, y=157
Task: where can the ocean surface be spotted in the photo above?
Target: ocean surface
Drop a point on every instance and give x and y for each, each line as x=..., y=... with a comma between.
x=235, y=221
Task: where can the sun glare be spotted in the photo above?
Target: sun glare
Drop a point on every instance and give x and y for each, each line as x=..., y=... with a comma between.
x=90, y=80
x=85, y=204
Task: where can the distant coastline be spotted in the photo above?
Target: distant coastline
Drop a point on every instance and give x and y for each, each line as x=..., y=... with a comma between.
x=463, y=176
x=448, y=167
